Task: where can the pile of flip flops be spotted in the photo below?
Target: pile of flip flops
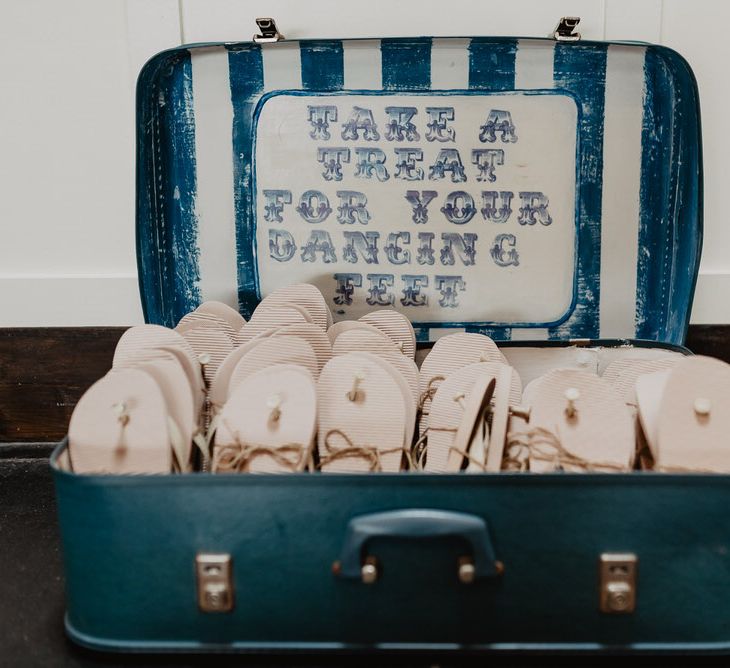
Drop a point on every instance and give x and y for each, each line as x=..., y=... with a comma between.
x=289, y=391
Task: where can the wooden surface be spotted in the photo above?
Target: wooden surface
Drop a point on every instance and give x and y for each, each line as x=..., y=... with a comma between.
x=43, y=372
x=712, y=340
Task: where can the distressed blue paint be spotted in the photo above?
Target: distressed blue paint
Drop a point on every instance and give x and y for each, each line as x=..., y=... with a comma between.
x=246, y=71
x=582, y=70
x=322, y=65
x=151, y=258
x=654, y=227
x=182, y=220
x=167, y=224
x=406, y=63
x=689, y=198
x=492, y=64
x=421, y=334
x=496, y=333
x=670, y=227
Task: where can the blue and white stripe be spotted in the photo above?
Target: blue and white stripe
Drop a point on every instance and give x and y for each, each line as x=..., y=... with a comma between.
x=623, y=261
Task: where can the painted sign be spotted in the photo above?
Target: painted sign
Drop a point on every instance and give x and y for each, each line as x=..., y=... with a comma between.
x=450, y=207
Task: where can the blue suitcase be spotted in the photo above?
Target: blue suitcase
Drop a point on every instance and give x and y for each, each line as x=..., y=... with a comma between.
x=565, y=180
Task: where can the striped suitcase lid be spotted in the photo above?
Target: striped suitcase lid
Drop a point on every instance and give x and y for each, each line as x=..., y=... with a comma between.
x=522, y=188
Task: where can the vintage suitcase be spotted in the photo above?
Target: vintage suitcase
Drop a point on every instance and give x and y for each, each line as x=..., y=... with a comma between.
x=545, y=192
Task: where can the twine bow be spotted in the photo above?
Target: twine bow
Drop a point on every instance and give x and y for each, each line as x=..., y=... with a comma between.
x=369, y=453
x=237, y=457
x=544, y=445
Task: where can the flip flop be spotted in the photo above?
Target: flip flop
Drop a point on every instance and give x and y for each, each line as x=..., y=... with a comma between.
x=121, y=425
x=694, y=417
x=268, y=423
x=265, y=318
x=396, y=326
x=348, y=325
x=290, y=350
x=212, y=346
x=170, y=377
x=507, y=395
x=196, y=320
x=305, y=295
x=453, y=407
x=472, y=434
x=624, y=373
x=579, y=422
x=313, y=335
x=156, y=337
x=362, y=415
x=449, y=354
x=230, y=315
x=648, y=391
x=218, y=389
x=363, y=340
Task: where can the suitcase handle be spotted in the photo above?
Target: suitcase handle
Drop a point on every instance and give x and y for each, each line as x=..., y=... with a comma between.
x=417, y=523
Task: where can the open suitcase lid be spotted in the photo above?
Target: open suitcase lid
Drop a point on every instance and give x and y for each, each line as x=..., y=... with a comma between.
x=524, y=188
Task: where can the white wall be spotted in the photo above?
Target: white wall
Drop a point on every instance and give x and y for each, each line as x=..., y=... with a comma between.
x=67, y=122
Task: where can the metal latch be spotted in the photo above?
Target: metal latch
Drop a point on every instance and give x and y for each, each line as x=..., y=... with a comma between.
x=215, y=582
x=565, y=30
x=617, y=589
x=269, y=31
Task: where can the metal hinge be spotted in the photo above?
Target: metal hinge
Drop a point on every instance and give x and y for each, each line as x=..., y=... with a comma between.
x=565, y=30
x=269, y=31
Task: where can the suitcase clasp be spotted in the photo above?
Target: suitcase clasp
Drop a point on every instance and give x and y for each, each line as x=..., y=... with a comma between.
x=617, y=583
x=215, y=582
